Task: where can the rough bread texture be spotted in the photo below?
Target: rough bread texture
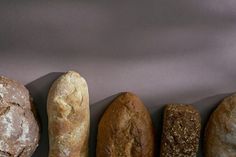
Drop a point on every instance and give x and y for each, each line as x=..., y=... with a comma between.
x=68, y=116
x=125, y=129
x=181, y=131
x=220, y=133
x=19, y=131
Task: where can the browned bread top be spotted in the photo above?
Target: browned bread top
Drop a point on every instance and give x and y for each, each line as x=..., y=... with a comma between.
x=220, y=133
x=19, y=131
x=181, y=131
x=125, y=129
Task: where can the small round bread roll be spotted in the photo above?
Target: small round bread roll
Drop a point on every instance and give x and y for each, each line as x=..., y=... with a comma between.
x=125, y=129
x=220, y=133
x=19, y=130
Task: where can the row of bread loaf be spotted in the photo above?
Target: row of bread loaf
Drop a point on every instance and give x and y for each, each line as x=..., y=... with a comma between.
x=125, y=129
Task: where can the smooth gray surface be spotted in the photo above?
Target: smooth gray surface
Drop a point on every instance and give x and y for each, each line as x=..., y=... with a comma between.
x=164, y=51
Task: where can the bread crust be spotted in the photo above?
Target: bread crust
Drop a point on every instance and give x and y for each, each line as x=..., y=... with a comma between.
x=181, y=131
x=125, y=129
x=68, y=116
x=220, y=132
x=18, y=126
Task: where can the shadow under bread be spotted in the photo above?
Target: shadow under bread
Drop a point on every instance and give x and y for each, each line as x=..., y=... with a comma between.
x=96, y=111
x=39, y=90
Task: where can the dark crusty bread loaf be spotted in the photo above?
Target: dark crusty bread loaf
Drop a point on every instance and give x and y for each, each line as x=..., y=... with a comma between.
x=68, y=116
x=181, y=131
x=19, y=131
x=125, y=129
x=220, y=133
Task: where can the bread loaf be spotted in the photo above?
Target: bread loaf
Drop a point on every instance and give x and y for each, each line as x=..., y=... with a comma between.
x=181, y=131
x=220, y=133
x=125, y=129
x=19, y=130
x=68, y=116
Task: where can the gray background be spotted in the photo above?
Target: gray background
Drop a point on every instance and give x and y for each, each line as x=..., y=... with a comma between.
x=164, y=51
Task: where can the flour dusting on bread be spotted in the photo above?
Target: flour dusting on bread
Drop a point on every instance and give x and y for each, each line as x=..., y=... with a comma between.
x=2, y=91
x=6, y=122
x=25, y=131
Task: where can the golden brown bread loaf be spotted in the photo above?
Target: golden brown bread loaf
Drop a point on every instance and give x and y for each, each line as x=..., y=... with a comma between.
x=181, y=131
x=68, y=116
x=220, y=133
x=125, y=129
x=19, y=130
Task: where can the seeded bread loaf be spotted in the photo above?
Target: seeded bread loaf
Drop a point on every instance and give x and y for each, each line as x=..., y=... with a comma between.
x=68, y=116
x=181, y=131
x=19, y=130
x=125, y=129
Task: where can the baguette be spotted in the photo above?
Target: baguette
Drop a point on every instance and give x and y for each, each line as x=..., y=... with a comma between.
x=68, y=116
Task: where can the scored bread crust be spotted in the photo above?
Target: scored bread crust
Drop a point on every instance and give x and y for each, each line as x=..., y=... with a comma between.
x=19, y=130
x=125, y=129
x=181, y=131
x=68, y=116
x=220, y=133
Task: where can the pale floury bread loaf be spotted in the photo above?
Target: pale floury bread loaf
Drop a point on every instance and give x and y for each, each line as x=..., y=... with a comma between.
x=19, y=130
x=68, y=116
x=220, y=133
